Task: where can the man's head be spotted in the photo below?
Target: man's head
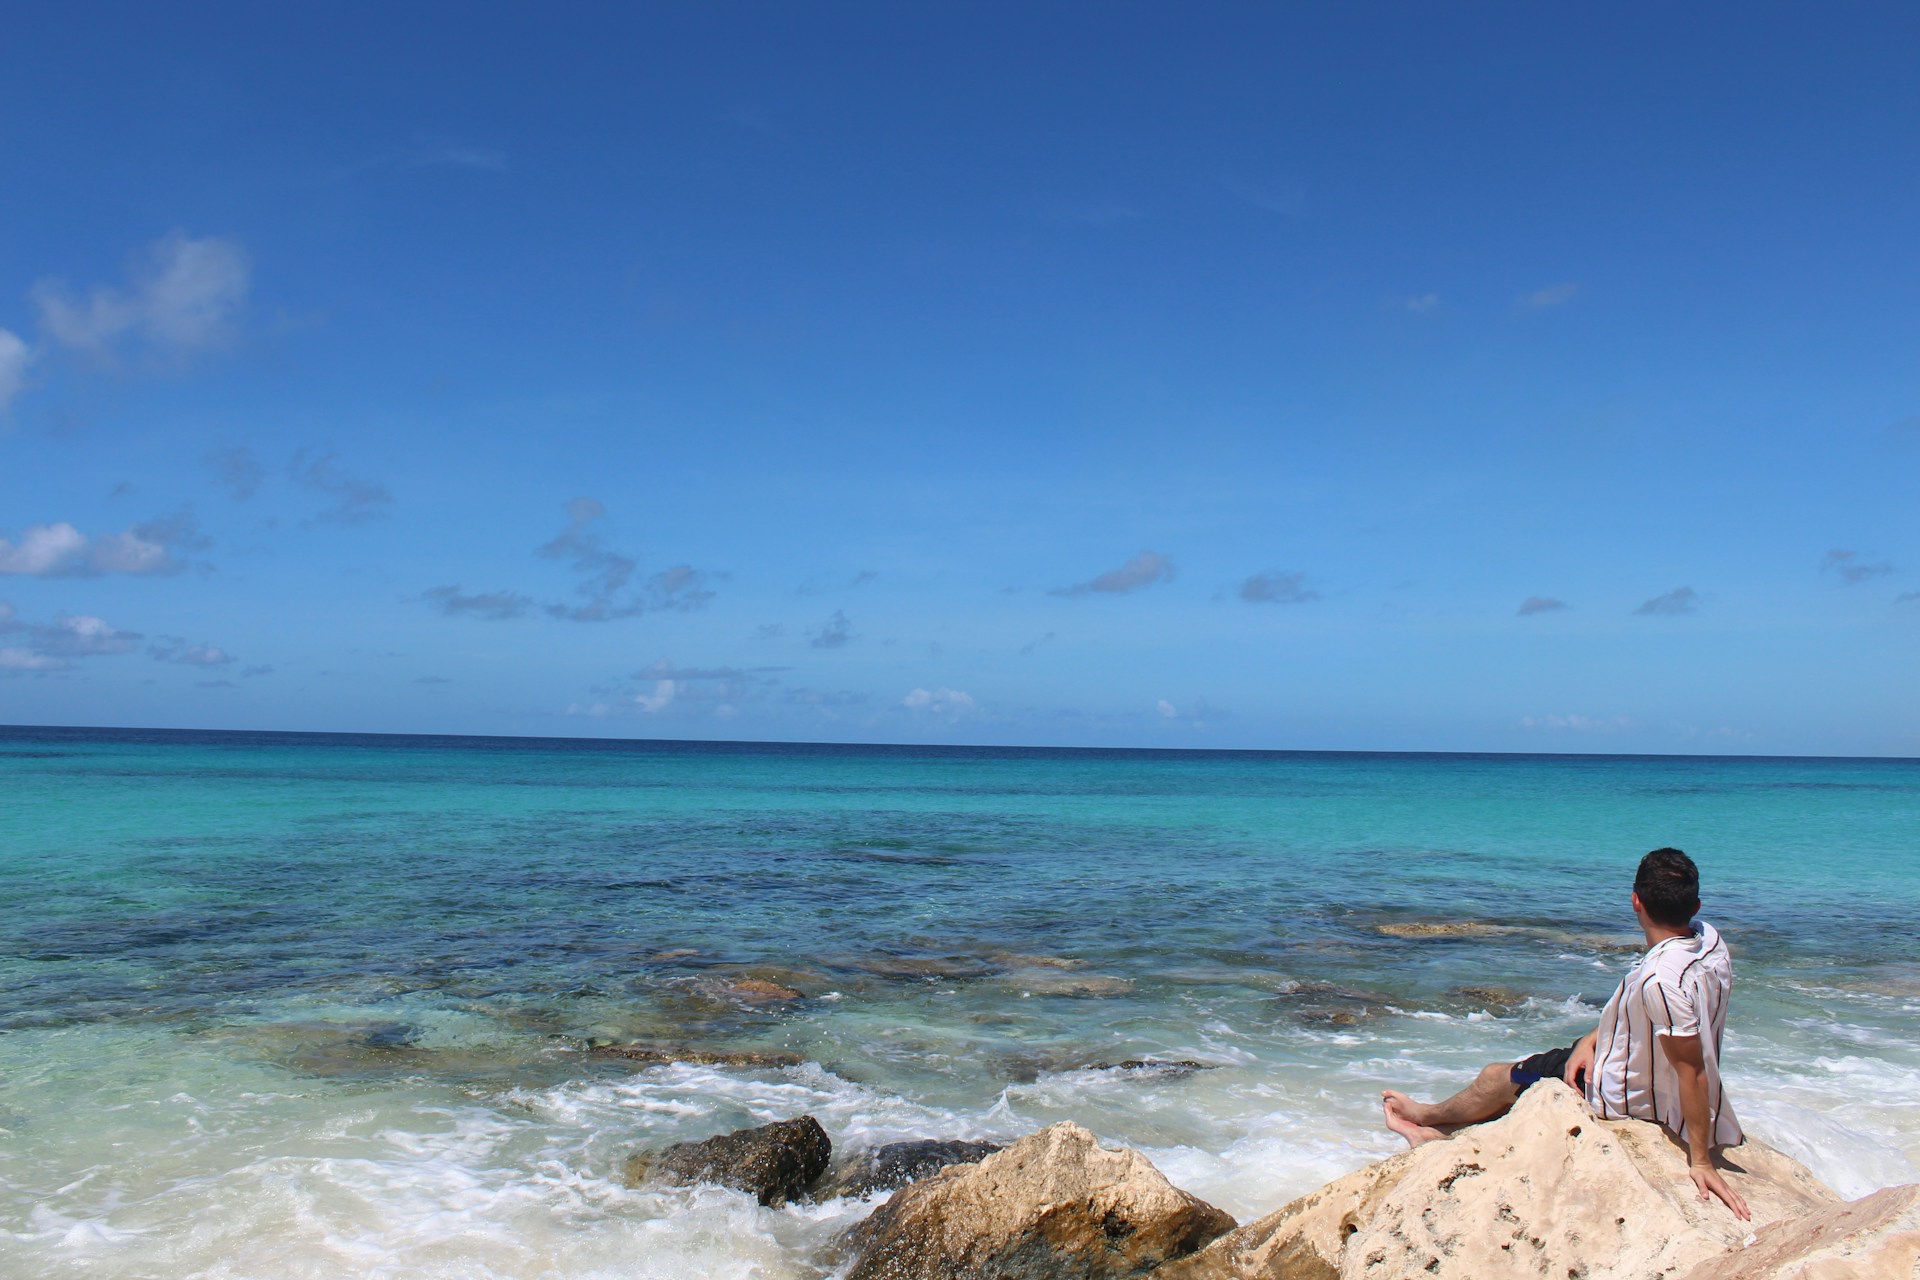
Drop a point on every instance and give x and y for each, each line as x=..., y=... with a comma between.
x=1668, y=888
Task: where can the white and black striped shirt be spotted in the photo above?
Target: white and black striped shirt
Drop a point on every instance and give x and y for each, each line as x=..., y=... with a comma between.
x=1679, y=987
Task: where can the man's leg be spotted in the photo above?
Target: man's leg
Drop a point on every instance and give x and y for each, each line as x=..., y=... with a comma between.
x=1491, y=1094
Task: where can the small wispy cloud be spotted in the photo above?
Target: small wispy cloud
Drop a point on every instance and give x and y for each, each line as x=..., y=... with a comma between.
x=175, y=649
x=1031, y=645
x=836, y=633
x=828, y=584
x=489, y=606
x=15, y=356
x=1421, y=302
x=355, y=501
x=1143, y=570
x=1555, y=295
x=183, y=297
x=1673, y=604
x=1195, y=714
x=237, y=471
x=946, y=702
x=432, y=680
x=1851, y=569
x=1277, y=586
x=609, y=584
x=1907, y=597
x=1539, y=604
x=1577, y=723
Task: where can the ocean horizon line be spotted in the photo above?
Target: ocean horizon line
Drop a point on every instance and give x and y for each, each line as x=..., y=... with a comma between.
x=746, y=746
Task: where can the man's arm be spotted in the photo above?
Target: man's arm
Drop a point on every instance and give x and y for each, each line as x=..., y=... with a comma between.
x=1690, y=1067
x=1580, y=1061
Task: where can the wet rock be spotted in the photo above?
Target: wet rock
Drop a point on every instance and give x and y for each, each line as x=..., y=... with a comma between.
x=1160, y=1068
x=1054, y=1204
x=655, y=1055
x=1082, y=985
x=774, y=1162
x=923, y=968
x=752, y=992
x=899, y=1163
x=1327, y=1005
x=1495, y=998
x=1546, y=1190
x=1441, y=929
x=1876, y=1237
x=1011, y=960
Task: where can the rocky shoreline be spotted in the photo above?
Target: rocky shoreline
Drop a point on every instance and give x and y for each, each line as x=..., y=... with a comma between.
x=1547, y=1191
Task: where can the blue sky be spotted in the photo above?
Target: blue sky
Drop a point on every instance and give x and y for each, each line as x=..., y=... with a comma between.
x=1494, y=377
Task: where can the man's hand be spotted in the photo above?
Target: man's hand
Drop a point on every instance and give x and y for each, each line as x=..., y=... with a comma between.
x=1689, y=1069
x=1707, y=1179
x=1580, y=1062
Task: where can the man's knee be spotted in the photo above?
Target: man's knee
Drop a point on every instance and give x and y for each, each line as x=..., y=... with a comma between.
x=1500, y=1073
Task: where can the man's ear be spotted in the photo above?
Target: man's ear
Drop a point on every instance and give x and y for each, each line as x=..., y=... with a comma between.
x=1637, y=908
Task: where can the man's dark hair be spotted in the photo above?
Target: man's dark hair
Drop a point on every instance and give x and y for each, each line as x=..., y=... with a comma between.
x=1669, y=887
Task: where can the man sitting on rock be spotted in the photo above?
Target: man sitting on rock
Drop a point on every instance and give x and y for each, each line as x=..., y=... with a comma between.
x=1675, y=995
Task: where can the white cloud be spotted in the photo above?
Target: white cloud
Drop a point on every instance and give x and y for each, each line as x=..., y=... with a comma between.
x=183, y=297
x=657, y=700
x=939, y=701
x=175, y=649
x=59, y=550
x=81, y=635
x=1423, y=302
x=15, y=356
x=14, y=658
x=1166, y=709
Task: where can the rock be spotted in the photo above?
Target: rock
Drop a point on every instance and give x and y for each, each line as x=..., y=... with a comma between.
x=923, y=968
x=1052, y=982
x=1012, y=960
x=898, y=1163
x=1160, y=1068
x=1054, y=1204
x=1498, y=999
x=1324, y=1004
x=774, y=1162
x=1874, y=1238
x=652, y=1055
x=1546, y=1190
x=1441, y=929
x=754, y=993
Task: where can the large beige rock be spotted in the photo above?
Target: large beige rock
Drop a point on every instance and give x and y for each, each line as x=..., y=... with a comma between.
x=1545, y=1190
x=1874, y=1238
x=1055, y=1204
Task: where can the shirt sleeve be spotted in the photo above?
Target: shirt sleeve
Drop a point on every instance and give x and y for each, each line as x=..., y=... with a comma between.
x=1670, y=1009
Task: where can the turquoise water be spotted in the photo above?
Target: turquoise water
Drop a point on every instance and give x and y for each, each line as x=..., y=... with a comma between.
x=323, y=1005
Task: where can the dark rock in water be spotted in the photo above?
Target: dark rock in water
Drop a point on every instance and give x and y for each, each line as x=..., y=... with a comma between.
x=1483, y=996
x=898, y=1163
x=1327, y=1005
x=1053, y=1205
x=651, y=1055
x=774, y=1162
x=923, y=968
x=1165, y=1068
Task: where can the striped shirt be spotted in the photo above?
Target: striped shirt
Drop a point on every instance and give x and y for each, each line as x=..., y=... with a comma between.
x=1680, y=987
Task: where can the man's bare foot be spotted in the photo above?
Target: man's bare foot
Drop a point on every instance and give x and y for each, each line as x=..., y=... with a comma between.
x=1391, y=1103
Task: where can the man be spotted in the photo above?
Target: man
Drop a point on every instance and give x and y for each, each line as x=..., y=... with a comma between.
x=1675, y=997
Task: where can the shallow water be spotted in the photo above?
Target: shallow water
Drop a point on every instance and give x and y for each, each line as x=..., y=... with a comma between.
x=325, y=1006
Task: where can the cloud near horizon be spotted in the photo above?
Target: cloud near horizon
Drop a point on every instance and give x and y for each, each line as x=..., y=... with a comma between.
x=1539, y=604
x=951, y=702
x=1143, y=570
x=1556, y=295
x=836, y=634
x=607, y=581
x=1675, y=603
